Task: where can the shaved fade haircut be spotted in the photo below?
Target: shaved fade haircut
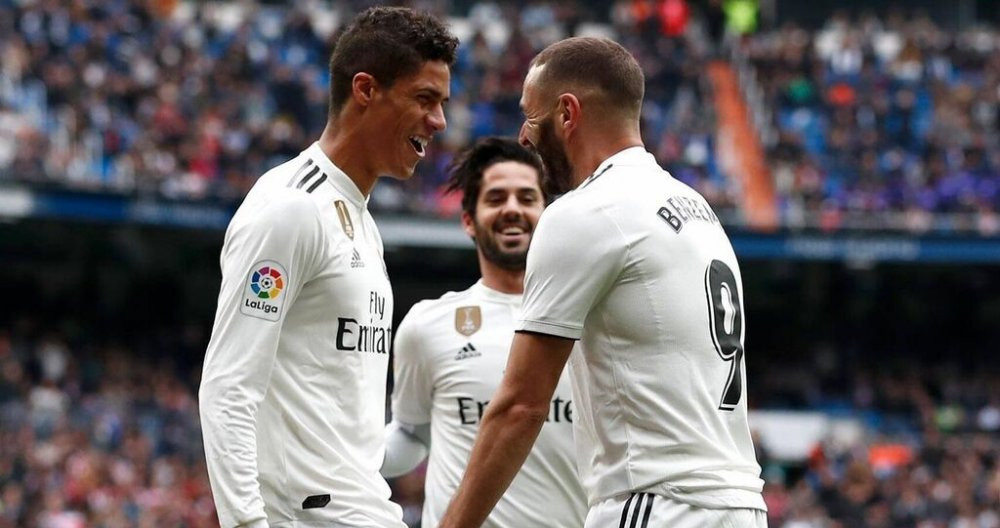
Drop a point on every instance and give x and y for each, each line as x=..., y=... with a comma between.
x=388, y=43
x=596, y=66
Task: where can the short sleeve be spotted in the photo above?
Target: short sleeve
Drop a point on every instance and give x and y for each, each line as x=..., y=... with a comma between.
x=576, y=254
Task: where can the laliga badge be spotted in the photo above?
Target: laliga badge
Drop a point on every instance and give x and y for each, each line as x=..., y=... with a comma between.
x=264, y=292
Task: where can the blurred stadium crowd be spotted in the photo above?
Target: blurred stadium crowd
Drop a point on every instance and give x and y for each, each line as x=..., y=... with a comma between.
x=104, y=435
x=99, y=435
x=884, y=115
x=195, y=100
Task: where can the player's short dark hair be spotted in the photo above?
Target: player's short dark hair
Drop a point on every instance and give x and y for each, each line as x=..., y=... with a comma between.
x=594, y=63
x=466, y=170
x=388, y=43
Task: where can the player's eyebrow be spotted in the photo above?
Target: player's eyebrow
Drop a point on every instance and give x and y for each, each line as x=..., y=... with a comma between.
x=434, y=92
x=506, y=190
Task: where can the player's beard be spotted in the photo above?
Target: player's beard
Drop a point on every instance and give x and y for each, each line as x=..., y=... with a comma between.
x=510, y=260
x=558, y=170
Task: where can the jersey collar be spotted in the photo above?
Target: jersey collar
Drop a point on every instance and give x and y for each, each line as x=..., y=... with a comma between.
x=493, y=295
x=629, y=156
x=337, y=178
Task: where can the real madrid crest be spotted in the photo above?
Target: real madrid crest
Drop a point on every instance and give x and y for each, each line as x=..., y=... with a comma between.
x=468, y=319
x=345, y=218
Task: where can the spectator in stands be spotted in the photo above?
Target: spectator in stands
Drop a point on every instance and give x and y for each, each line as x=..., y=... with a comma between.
x=893, y=118
x=130, y=126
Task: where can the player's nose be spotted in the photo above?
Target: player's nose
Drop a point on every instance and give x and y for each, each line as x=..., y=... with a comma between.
x=522, y=136
x=511, y=209
x=436, y=120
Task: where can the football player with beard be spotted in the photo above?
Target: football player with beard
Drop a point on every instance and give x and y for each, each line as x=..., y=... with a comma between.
x=633, y=269
x=450, y=354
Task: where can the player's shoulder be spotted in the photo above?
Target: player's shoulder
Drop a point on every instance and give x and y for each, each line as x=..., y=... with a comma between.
x=269, y=203
x=424, y=326
x=602, y=191
x=427, y=310
x=278, y=204
x=632, y=182
x=625, y=173
x=576, y=212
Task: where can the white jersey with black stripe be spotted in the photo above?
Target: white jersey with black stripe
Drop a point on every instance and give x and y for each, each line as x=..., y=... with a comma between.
x=293, y=389
x=636, y=266
x=450, y=355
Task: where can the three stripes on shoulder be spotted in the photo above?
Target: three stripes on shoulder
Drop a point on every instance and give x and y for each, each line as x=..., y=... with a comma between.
x=301, y=181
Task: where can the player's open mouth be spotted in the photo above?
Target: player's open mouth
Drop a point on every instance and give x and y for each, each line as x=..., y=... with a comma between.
x=513, y=233
x=419, y=144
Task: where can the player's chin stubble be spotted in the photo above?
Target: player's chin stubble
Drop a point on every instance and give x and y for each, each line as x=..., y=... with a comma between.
x=508, y=260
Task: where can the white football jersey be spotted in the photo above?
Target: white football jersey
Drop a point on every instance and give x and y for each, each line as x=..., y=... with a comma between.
x=450, y=354
x=636, y=266
x=293, y=390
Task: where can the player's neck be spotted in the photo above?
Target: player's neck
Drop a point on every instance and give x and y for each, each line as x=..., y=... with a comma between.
x=499, y=279
x=592, y=150
x=345, y=148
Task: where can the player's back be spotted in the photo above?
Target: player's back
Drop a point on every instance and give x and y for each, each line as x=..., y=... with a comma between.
x=659, y=382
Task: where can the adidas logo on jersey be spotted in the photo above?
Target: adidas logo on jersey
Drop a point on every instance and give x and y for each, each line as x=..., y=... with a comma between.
x=468, y=351
x=356, y=261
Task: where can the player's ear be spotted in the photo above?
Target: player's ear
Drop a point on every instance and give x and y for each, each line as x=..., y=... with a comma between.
x=468, y=225
x=569, y=112
x=363, y=87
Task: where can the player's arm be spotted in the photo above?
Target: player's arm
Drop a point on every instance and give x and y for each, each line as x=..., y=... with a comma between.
x=557, y=299
x=242, y=350
x=408, y=436
x=510, y=426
